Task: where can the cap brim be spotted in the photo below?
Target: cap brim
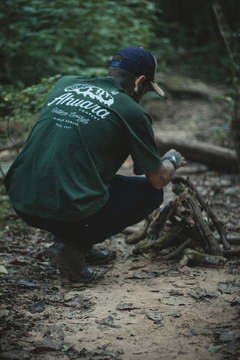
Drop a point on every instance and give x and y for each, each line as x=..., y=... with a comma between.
x=157, y=89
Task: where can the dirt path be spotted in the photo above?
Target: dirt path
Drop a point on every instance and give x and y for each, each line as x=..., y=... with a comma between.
x=141, y=309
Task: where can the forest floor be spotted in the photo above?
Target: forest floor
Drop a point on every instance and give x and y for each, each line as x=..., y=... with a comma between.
x=143, y=308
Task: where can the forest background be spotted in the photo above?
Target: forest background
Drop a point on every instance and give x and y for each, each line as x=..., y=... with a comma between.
x=41, y=40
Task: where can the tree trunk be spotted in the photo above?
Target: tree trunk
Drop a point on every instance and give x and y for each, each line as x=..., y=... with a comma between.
x=233, y=51
x=235, y=126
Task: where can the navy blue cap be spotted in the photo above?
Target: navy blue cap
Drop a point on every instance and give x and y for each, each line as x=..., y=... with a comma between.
x=139, y=61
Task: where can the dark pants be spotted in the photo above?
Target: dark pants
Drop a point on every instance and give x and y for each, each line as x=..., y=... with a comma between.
x=131, y=200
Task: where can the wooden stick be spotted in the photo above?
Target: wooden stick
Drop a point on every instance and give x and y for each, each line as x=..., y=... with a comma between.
x=213, y=244
x=219, y=227
x=161, y=218
x=229, y=254
x=140, y=234
x=233, y=240
x=197, y=257
x=178, y=251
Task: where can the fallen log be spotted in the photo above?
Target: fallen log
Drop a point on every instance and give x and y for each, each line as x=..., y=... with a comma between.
x=181, y=85
x=213, y=156
x=13, y=145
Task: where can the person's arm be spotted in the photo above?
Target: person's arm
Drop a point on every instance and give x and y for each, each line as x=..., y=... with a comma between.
x=161, y=176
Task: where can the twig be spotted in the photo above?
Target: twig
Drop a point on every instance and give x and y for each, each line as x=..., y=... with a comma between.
x=233, y=240
x=140, y=234
x=178, y=251
x=203, y=239
x=102, y=272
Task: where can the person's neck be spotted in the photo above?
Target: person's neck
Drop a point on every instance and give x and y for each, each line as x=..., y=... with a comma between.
x=129, y=91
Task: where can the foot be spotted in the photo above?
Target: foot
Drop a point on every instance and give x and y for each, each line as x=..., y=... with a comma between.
x=70, y=262
x=97, y=257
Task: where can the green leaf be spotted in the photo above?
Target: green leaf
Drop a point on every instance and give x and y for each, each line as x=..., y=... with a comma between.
x=13, y=271
x=65, y=347
x=59, y=45
x=214, y=349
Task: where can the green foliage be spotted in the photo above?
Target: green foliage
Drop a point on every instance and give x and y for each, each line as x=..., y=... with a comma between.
x=23, y=106
x=221, y=134
x=42, y=38
x=20, y=105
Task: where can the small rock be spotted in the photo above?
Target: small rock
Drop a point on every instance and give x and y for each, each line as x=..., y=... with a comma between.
x=174, y=301
x=230, y=335
x=154, y=316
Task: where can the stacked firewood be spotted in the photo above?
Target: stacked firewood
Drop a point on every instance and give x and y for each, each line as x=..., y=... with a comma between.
x=186, y=227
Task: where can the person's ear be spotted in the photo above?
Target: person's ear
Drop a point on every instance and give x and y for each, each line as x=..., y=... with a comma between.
x=138, y=82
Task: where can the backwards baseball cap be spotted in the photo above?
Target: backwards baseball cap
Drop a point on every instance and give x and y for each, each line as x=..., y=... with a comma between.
x=139, y=61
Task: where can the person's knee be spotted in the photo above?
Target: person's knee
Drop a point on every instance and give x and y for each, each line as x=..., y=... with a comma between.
x=147, y=191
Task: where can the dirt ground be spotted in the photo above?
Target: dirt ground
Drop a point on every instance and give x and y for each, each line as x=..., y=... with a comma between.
x=142, y=308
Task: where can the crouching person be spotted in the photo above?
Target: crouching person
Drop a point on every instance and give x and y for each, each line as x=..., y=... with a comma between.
x=64, y=180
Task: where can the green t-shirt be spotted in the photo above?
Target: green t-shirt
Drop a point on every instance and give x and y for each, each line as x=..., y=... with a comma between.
x=85, y=131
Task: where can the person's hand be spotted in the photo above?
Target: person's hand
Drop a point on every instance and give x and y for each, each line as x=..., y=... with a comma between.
x=161, y=176
x=180, y=160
